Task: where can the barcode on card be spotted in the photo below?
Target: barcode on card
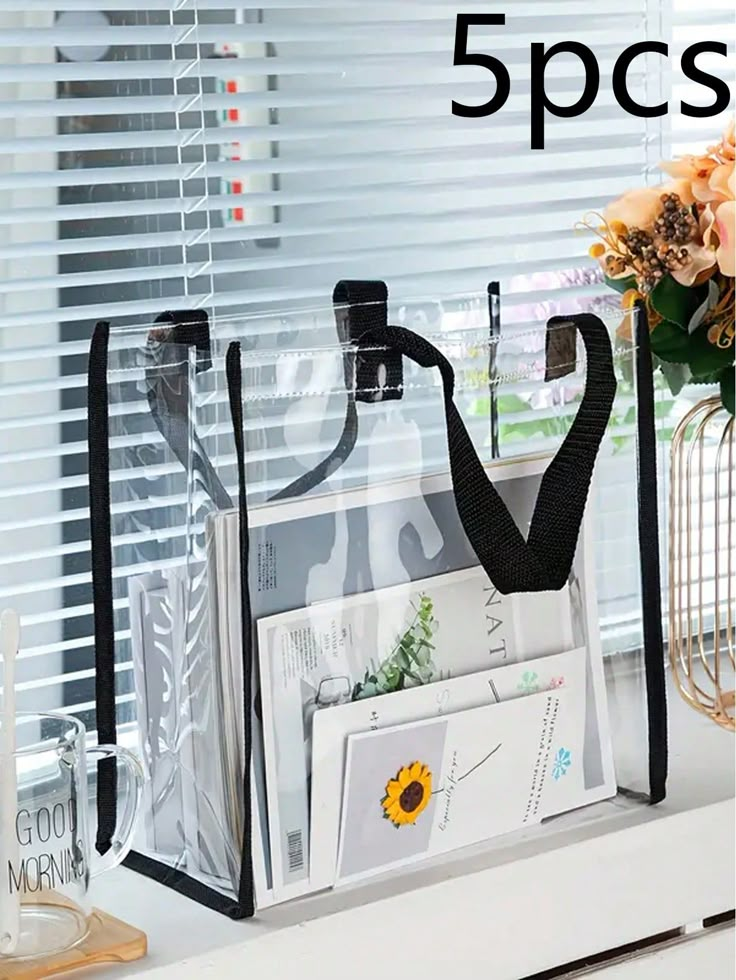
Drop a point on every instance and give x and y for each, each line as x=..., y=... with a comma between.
x=295, y=850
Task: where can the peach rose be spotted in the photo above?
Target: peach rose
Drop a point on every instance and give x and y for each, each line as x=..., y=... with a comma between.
x=695, y=172
x=726, y=149
x=710, y=176
x=721, y=182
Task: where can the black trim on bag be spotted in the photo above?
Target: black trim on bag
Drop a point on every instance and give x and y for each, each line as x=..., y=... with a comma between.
x=98, y=454
x=649, y=560
x=246, y=897
x=184, y=884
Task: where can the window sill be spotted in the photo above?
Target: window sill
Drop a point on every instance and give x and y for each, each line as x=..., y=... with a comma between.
x=575, y=892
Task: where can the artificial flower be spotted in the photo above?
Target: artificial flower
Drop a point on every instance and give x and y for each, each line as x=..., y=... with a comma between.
x=726, y=149
x=722, y=182
x=408, y=794
x=675, y=245
x=692, y=172
x=710, y=176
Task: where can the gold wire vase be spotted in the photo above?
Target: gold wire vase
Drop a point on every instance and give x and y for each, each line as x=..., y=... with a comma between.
x=701, y=561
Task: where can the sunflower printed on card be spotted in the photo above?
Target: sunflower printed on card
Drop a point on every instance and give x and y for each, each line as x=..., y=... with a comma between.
x=408, y=795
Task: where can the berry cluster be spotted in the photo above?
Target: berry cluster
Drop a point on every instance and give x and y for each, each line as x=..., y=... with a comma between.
x=652, y=255
x=676, y=224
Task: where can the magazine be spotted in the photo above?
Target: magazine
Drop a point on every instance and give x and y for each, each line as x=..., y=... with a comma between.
x=370, y=644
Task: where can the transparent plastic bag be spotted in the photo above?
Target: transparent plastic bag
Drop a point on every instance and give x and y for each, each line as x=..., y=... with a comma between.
x=311, y=486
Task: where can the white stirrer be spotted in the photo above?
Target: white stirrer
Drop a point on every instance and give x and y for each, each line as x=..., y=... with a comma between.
x=9, y=903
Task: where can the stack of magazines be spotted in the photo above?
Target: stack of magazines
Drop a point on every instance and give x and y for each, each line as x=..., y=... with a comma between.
x=404, y=707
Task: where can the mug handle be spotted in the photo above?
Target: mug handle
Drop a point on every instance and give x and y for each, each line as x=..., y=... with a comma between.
x=122, y=840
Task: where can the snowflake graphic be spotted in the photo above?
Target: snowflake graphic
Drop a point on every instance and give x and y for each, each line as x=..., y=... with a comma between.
x=529, y=683
x=563, y=761
x=556, y=682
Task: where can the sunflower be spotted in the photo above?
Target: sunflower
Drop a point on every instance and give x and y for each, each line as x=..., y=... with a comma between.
x=408, y=794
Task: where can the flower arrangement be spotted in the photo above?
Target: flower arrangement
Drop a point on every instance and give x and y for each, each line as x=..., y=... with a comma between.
x=673, y=248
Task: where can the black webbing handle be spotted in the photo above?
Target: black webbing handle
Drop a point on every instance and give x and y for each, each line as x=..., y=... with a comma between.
x=542, y=561
x=101, y=545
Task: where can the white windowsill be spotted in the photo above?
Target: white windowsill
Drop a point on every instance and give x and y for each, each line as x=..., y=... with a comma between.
x=541, y=903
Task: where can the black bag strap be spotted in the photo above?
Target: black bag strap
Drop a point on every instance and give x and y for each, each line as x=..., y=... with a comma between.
x=651, y=586
x=233, y=371
x=101, y=545
x=542, y=561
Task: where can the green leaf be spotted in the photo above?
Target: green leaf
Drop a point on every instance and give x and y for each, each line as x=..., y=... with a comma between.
x=727, y=390
x=677, y=376
x=706, y=358
x=621, y=285
x=674, y=302
x=671, y=342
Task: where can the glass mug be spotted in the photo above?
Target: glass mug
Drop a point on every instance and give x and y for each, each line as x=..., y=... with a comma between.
x=46, y=858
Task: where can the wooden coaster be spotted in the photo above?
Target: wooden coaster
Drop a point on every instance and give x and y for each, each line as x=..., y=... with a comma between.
x=109, y=941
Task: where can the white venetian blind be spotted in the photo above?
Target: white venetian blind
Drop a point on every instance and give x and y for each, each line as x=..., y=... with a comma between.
x=232, y=155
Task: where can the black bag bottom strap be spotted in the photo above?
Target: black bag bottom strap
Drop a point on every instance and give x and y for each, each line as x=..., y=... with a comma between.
x=185, y=885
